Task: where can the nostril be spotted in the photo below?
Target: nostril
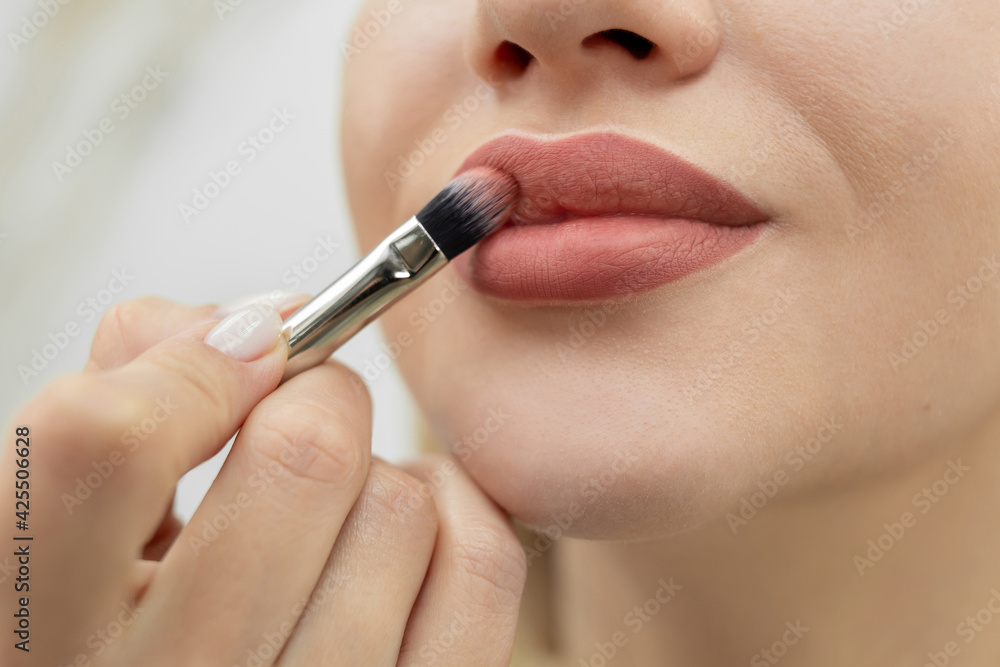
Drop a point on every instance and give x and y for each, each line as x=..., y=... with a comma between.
x=512, y=58
x=637, y=45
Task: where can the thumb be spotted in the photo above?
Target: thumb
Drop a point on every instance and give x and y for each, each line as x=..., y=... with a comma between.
x=134, y=430
x=166, y=411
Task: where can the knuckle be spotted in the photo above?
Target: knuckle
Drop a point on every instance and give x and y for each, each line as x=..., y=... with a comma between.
x=359, y=389
x=311, y=442
x=110, y=322
x=399, y=499
x=203, y=383
x=115, y=326
x=491, y=567
x=132, y=314
x=82, y=418
x=346, y=391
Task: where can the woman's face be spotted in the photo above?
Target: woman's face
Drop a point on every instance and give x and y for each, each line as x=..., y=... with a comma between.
x=824, y=306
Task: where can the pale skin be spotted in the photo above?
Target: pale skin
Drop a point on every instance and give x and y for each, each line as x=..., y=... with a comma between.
x=868, y=131
x=858, y=424
x=320, y=554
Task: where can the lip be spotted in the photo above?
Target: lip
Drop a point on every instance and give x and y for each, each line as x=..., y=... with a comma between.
x=602, y=215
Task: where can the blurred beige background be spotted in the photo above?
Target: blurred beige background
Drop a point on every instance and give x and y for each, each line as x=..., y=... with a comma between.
x=114, y=117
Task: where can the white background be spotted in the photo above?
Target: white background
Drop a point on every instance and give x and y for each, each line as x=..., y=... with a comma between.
x=119, y=209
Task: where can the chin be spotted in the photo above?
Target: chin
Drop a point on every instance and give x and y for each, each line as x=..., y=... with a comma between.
x=598, y=439
x=588, y=466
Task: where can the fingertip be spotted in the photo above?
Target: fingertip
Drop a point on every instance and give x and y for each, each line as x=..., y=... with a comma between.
x=248, y=334
x=283, y=301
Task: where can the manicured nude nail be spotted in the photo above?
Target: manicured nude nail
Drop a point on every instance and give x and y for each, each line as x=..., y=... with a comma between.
x=280, y=300
x=248, y=334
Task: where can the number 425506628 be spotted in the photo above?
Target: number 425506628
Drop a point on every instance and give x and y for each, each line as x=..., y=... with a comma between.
x=22, y=493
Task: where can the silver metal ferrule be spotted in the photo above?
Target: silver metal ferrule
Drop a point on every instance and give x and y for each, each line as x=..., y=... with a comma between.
x=398, y=264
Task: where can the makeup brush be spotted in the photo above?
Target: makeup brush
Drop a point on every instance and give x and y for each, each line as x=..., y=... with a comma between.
x=469, y=208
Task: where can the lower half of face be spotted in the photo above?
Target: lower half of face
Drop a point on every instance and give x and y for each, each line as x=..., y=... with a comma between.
x=854, y=332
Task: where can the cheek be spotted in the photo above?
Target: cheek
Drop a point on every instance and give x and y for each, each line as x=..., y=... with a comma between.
x=396, y=88
x=869, y=80
x=914, y=136
x=616, y=417
x=667, y=415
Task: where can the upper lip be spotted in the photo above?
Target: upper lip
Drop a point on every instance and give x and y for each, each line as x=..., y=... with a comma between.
x=607, y=175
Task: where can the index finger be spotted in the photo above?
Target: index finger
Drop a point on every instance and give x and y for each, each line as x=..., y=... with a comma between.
x=111, y=446
x=130, y=328
x=147, y=423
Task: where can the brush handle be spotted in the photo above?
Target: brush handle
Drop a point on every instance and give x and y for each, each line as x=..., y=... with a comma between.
x=405, y=259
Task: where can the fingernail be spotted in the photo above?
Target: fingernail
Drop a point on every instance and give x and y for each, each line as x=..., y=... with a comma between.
x=278, y=299
x=248, y=334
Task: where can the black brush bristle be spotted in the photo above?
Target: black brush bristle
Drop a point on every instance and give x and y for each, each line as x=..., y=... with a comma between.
x=470, y=208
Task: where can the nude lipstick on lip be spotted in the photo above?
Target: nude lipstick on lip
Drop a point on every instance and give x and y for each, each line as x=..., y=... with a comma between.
x=603, y=215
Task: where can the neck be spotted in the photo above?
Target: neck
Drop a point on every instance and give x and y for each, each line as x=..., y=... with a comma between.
x=894, y=571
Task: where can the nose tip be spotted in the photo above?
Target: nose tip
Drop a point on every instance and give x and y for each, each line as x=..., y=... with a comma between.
x=578, y=38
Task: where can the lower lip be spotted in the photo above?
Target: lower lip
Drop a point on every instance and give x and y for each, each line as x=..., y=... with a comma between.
x=597, y=258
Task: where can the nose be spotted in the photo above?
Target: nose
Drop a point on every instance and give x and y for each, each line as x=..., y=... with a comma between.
x=577, y=40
